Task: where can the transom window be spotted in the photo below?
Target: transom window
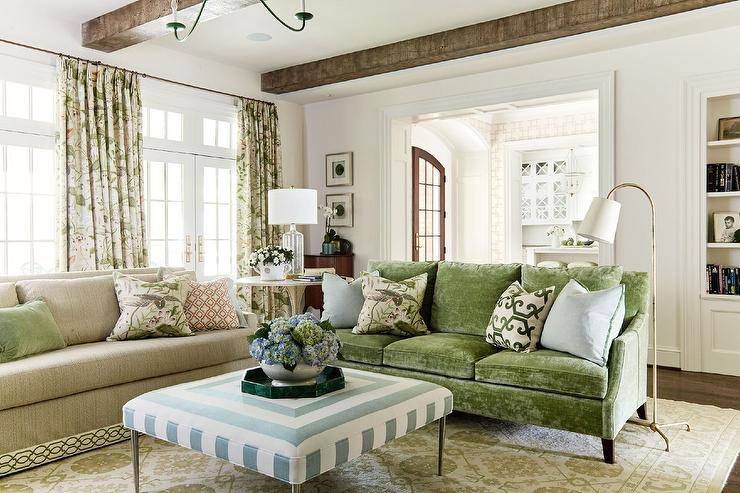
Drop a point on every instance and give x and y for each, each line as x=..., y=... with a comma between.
x=26, y=102
x=219, y=133
x=162, y=124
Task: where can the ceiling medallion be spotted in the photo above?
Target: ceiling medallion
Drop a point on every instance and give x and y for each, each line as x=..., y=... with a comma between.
x=303, y=16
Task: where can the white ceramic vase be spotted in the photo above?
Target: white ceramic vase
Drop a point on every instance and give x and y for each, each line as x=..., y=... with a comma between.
x=302, y=374
x=554, y=241
x=272, y=272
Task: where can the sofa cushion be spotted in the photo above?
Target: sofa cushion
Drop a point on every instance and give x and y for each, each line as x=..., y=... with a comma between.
x=8, y=296
x=546, y=370
x=85, y=309
x=452, y=355
x=636, y=295
x=364, y=348
x=26, y=330
x=399, y=271
x=103, y=364
x=592, y=278
x=465, y=294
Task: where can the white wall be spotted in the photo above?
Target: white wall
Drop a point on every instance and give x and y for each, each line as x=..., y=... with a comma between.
x=28, y=24
x=649, y=146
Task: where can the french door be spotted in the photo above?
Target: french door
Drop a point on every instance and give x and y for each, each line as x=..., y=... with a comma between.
x=428, y=206
x=190, y=212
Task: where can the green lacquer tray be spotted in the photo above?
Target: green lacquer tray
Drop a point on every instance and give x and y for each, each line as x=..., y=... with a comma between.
x=255, y=382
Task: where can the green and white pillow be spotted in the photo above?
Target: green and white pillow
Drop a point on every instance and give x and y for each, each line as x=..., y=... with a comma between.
x=150, y=309
x=392, y=307
x=518, y=318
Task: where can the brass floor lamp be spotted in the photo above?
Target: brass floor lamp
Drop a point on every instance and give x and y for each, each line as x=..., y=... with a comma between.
x=600, y=224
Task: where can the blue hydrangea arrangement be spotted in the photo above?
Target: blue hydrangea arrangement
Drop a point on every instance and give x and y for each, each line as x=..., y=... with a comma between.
x=290, y=341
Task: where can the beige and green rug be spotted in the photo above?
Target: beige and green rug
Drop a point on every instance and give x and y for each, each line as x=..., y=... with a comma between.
x=482, y=455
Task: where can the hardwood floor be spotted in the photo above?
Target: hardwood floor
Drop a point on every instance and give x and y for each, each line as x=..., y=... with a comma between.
x=702, y=388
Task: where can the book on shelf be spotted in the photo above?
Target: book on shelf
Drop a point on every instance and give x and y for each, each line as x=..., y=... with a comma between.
x=723, y=280
x=723, y=177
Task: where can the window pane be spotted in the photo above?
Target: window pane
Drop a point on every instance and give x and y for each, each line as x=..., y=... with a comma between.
x=19, y=176
x=156, y=220
x=19, y=222
x=174, y=181
x=157, y=253
x=19, y=258
x=210, y=220
x=174, y=253
x=224, y=257
x=174, y=126
x=174, y=220
x=44, y=218
x=17, y=102
x=210, y=191
x=429, y=191
x=156, y=123
x=156, y=180
x=44, y=257
x=2, y=258
x=210, y=266
x=224, y=224
x=2, y=218
x=43, y=171
x=42, y=104
x=422, y=223
x=209, y=132
x=224, y=185
x=224, y=134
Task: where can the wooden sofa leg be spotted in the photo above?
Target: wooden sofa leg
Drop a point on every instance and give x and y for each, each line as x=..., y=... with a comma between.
x=642, y=411
x=608, y=446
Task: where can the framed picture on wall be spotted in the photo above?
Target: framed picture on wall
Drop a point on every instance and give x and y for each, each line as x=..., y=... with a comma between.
x=726, y=225
x=343, y=203
x=339, y=169
x=729, y=128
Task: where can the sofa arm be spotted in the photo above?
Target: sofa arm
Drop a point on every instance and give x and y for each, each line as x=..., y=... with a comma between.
x=252, y=321
x=627, y=367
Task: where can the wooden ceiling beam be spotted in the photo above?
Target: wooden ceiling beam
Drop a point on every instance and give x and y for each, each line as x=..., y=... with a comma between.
x=146, y=19
x=557, y=21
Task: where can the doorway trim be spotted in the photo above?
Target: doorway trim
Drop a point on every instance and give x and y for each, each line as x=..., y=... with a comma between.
x=602, y=82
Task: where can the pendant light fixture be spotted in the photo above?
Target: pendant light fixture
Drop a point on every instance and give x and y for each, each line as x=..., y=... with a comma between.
x=302, y=15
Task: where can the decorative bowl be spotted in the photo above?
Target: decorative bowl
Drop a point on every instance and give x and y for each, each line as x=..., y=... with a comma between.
x=272, y=272
x=302, y=374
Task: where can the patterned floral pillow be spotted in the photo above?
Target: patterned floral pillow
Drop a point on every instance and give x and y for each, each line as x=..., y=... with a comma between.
x=209, y=305
x=392, y=307
x=150, y=309
x=519, y=317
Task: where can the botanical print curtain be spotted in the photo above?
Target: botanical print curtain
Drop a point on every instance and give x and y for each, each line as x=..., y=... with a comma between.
x=258, y=169
x=101, y=189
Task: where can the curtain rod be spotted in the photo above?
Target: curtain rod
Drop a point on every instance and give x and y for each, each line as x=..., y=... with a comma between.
x=141, y=74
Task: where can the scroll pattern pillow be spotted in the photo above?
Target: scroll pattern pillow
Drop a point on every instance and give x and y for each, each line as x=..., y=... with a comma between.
x=392, y=307
x=518, y=318
x=209, y=306
x=150, y=309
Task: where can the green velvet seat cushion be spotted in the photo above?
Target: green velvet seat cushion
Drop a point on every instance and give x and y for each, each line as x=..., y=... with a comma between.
x=547, y=370
x=592, y=278
x=26, y=330
x=465, y=295
x=400, y=271
x=452, y=355
x=364, y=348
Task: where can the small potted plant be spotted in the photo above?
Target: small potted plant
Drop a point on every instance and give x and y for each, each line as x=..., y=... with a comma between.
x=272, y=262
x=295, y=350
x=555, y=233
x=328, y=247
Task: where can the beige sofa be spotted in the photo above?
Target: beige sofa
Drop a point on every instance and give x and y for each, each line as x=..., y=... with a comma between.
x=64, y=402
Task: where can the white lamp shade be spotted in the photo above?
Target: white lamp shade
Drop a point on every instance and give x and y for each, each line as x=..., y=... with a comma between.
x=601, y=220
x=291, y=206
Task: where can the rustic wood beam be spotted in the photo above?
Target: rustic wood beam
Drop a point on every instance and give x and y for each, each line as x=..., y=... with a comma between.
x=146, y=19
x=557, y=21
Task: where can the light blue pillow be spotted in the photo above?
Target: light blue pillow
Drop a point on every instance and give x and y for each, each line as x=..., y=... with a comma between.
x=584, y=323
x=342, y=300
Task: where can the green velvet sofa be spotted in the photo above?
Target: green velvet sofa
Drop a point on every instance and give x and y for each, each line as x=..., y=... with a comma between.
x=544, y=387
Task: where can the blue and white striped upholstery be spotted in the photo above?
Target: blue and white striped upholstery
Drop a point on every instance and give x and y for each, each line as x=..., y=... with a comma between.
x=292, y=440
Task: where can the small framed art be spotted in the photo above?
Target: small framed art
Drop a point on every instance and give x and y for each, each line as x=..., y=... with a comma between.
x=343, y=204
x=729, y=128
x=726, y=225
x=339, y=169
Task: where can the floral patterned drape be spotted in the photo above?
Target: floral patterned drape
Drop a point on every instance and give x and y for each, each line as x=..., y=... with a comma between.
x=258, y=169
x=101, y=188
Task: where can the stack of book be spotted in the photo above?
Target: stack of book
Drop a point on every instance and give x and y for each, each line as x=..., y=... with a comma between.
x=723, y=177
x=723, y=280
x=309, y=278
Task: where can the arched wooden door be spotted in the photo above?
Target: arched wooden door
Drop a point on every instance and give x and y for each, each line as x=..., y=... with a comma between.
x=428, y=203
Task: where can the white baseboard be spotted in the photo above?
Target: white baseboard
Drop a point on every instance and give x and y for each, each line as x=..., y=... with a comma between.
x=667, y=356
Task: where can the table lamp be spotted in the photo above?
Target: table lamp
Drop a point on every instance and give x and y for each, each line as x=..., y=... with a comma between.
x=292, y=206
x=600, y=224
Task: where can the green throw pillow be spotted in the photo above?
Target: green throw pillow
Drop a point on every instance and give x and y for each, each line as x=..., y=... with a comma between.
x=519, y=317
x=392, y=307
x=26, y=330
x=150, y=309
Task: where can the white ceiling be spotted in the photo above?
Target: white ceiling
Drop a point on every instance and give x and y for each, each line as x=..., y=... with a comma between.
x=339, y=26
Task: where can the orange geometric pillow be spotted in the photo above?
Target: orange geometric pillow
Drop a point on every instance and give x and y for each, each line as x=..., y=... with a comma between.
x=208, y=306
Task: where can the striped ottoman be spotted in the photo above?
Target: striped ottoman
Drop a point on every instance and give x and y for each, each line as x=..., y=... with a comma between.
x=292, y=440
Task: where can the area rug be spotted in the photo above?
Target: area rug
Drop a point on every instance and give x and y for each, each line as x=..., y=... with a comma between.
x=482, y=455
